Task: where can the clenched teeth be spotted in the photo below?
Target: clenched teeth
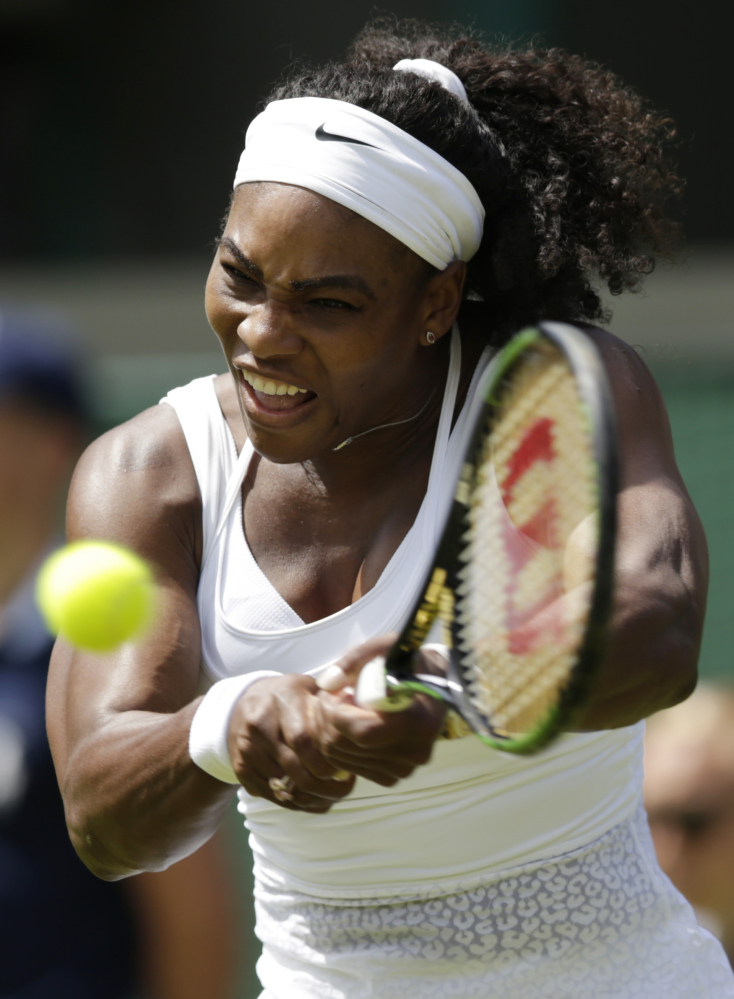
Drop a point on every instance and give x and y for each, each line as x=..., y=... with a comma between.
x=270, y=387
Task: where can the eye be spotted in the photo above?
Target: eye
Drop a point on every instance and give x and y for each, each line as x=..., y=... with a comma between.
x=238, y=275
x=335, y=304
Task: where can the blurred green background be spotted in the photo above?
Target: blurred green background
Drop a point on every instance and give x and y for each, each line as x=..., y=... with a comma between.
x=120, y=128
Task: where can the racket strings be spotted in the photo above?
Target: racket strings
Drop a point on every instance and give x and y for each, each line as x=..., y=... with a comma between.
x=535, y=486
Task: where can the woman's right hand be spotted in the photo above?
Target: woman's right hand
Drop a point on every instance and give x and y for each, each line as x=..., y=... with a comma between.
x=287, y=727
x=274, y=737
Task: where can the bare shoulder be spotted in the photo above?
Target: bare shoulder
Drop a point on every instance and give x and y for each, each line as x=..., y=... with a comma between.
x=136, y=485
x=152, y=439
x=630, y=377
x=642, y=419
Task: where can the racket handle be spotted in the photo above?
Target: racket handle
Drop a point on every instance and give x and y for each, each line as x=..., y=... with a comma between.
x=372, y=689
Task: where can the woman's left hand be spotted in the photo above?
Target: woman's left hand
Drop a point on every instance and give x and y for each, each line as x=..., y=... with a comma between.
x=379, y=746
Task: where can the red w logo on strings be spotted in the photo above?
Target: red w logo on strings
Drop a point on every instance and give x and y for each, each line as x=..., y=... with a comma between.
x=528, y=627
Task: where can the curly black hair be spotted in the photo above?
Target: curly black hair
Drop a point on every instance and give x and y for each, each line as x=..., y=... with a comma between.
x=568, y=162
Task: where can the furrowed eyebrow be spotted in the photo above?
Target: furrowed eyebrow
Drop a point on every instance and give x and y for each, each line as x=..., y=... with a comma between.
x=352, y=282
x=237, y=253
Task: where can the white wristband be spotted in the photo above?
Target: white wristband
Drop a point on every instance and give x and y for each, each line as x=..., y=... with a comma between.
x=210, y=725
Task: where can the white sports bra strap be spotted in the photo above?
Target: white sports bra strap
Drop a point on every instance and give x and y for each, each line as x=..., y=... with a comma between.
x=234, y=485
x=210, y=444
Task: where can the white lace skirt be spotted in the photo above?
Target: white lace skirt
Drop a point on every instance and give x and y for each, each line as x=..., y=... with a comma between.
x=602, y=922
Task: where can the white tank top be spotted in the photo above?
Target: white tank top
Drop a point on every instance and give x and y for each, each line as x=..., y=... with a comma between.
x=467, y=814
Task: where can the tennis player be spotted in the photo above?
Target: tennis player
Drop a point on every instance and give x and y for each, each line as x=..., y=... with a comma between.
x=394, y=219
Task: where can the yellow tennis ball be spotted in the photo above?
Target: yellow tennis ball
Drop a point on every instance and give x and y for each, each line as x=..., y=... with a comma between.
x=96, y=595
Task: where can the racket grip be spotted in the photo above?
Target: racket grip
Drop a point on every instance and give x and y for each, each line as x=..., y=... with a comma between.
x=372, y=689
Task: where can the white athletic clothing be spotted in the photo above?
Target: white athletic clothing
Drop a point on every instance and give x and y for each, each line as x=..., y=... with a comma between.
x=243, y=618
x=601, y=922
x=350, y=903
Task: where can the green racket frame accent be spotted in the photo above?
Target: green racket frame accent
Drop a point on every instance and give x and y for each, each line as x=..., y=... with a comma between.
x=437, y=595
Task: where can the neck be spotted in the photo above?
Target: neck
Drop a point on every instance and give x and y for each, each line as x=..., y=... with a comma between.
x=384, y=426
x=394, y=447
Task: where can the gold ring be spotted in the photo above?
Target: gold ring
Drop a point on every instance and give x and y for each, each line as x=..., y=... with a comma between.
x=282, y=788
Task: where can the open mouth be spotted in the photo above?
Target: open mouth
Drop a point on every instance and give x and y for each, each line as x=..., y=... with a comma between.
x=274, y=395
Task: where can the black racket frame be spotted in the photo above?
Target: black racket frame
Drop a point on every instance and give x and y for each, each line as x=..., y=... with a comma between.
x=442, y=581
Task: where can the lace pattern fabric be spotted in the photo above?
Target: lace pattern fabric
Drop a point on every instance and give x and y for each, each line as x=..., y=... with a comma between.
x=602, y=922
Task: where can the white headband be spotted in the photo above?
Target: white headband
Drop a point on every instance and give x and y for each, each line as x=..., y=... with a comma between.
x=365, y=163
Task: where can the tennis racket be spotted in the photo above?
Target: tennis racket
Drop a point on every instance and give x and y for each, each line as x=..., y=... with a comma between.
x=522, y=580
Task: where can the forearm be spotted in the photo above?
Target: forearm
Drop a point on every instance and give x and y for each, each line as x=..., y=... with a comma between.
x=134, y=799
x=651, y=656
x=661, y=561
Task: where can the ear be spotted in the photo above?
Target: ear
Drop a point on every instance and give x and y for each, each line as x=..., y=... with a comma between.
x=443, y=299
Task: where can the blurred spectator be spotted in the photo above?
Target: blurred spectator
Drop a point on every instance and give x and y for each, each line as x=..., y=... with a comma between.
x=689, y=794
x=66, y=935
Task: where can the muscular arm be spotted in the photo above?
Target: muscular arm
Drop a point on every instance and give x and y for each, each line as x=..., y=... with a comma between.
x=118, y=724
x=662, y=561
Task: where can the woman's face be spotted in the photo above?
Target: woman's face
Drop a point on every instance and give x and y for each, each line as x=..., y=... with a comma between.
x=322, y=316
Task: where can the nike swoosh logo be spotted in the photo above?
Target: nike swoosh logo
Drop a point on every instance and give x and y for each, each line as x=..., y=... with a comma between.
x=323, y=136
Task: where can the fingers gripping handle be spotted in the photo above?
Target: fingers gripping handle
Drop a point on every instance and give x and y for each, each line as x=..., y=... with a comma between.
x=378, y=691
x=372, y=690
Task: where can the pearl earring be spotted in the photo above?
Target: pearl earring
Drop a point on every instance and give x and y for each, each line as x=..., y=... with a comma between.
x=430, y=337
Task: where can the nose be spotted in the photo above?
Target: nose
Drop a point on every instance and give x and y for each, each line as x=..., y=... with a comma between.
x=269, y=330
